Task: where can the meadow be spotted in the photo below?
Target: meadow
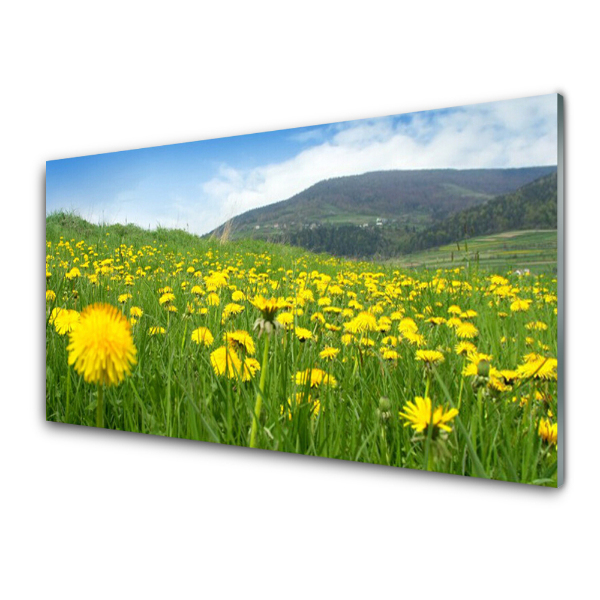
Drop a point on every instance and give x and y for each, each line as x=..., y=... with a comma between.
x=251, y=344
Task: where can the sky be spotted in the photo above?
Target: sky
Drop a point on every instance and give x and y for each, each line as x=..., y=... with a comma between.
x=198, y=186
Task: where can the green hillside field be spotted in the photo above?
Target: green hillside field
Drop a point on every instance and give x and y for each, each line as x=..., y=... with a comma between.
x=511, y=250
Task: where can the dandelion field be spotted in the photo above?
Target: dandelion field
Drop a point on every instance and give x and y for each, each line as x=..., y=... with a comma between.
x=250, y=344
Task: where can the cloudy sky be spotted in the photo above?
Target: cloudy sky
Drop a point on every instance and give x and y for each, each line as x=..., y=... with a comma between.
x=199, y=185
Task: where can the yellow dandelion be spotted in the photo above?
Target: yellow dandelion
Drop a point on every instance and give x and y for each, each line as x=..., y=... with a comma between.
x=50, y=296
x=157, y=330
x=363, y=322
x=419, y=415
x=303, y=334
x=136, y=311
x=166, y=298
x=202, y=335
x=467, y=330
x=520, y=305
x=101, y=347
x=329, y=353
x=64, y=320
x=225, y=361
x=465, y=348
x=430, y=357
x=251, y=366
x=316, y=377
x=548, y=431
x=538, y=367
x=240, y=340
x=388, y=354
x=213, y=299
x=232, y=309
x=286, y=319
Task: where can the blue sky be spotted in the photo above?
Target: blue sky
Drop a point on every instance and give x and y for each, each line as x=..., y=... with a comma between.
x=199, y=185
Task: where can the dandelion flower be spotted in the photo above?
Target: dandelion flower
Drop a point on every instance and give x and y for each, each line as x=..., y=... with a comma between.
x=363, y=322
x=50, y=296
x=467, y=330
x=101, y=347
x=286, y=319
x=240, y=340
x=232, y=309
x=251, y=366
x=465, y=348
x=520, y=305
x=303, y=334
x=166, y=298
x=538, y=367
x=316, y=377
x=157, y=330
x=419, y=415
x=329, y=353
x=388, y=354
x=430, y=357
x=202, y=335
x=64, y=320
x=225, y=361
x=548, y=431
x=136, y=311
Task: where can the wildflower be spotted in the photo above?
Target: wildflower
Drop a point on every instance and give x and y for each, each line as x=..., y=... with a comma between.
x=467, y=330
x=416, y=339
x=240, y=340
x=124, y=297
x=156, y=330
x=232, y=309
x=364, y=321
x=390, y=340
x=329, y=353
x=166, y=298
x=537, y=326
x=538, y=367
x=268, y=308
x=388, y=354
x=548, y=431
x=64, y=320
x=298, y=399
x=435, y=320
x=430, y=357
x=520, y=305
x=303, y=334
x=101, y=347
x=225, y=361
x=73, y=273
x=202, y=335
x=50, y=296
x=316, y=377
x=407, y=325
x=465, y=348
x=213, y=299
x=136, y=311
x=419, y=415
x=286, y=319
x=251, y=366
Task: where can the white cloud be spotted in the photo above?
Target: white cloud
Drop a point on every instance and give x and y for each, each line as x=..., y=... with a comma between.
x=516, y=133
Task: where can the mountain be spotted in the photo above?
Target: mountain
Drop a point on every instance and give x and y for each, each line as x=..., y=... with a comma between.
x=399, y=203
x=533, y=206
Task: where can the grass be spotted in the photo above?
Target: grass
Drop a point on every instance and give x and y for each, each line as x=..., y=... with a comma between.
x=174, y=390
x=533, y=250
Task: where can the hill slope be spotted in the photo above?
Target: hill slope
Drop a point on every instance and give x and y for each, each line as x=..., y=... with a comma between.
x=405, y=201
x=534, y=206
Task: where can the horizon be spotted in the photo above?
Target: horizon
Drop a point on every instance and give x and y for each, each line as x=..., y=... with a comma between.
x=199, y=186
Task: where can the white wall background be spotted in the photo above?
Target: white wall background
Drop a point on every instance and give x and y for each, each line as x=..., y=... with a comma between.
x=88, y=514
